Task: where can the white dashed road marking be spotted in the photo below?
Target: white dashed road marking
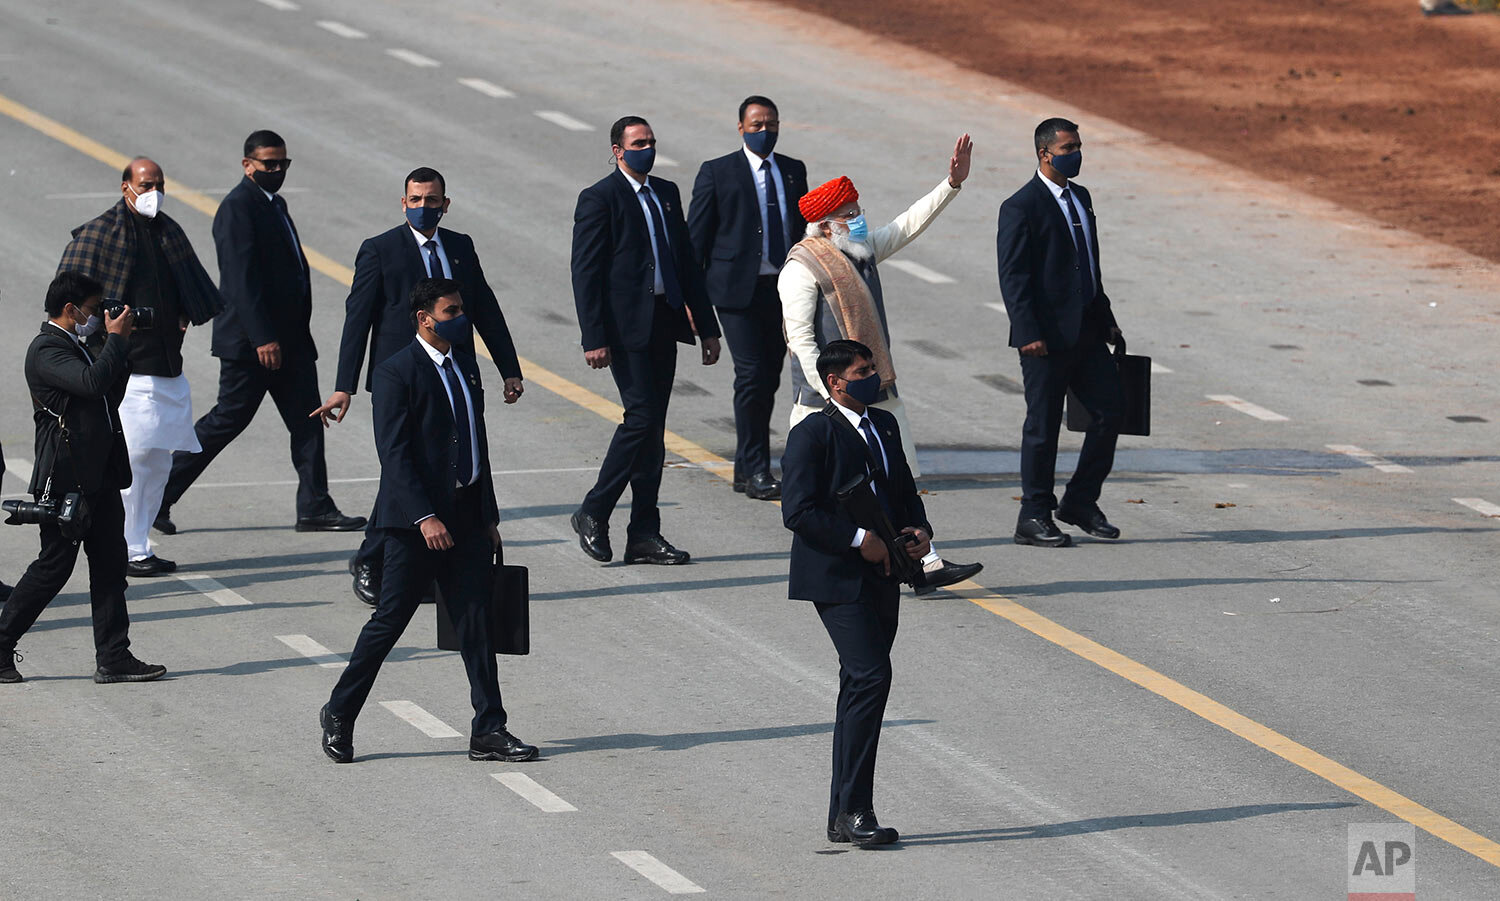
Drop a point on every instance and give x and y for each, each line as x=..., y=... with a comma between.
x=342, y=30
x=413, y=57
x=1157, y=367
x=664, y=160
x=563, y=120
x=664, y=876
x=214, y=590
x=1479, y=505
x=313, y=651
x=917, y=270
x=1368, y=458
x=283, y=5
x=531, y=790
x=489, y=89
x=998, y=308
x=434, y=727
x=19, y=468
x=1249, y=409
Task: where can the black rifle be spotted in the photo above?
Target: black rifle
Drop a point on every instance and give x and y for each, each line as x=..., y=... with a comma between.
x=858, y=501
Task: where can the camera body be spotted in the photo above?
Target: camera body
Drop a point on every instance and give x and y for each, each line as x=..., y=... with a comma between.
x=145, y=317
x=61, y=513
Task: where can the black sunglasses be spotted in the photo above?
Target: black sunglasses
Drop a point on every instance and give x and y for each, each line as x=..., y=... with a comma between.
x=273, y=165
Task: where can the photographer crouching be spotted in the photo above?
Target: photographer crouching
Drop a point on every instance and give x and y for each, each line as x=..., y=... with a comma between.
x=81, y=467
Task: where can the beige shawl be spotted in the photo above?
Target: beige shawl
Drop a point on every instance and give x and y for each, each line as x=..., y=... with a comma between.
x=849, y=297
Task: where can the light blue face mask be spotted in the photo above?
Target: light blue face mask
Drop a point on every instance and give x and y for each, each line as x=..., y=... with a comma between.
x=859, y=230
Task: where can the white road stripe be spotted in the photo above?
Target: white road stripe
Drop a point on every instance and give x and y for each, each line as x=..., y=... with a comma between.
x=664, y=160
x=19, y=468
x=434, y=727
x=1368, y=458
x=274, y=482
x=214, y=590
x=531, y=790
x=929, y=276
x=998, y=308
x=283, y=5
x=313, y=651
x=413, y=57
x=1249, y=409
x=1157, y=367
x=489, y=89
x=664, y=876
x=1479, y=505
x=342, y=30
x=563, y=120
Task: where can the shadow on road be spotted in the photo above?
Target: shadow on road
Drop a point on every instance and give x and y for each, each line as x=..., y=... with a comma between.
x=659, y=587
x=682, y=741
x=1115, y=586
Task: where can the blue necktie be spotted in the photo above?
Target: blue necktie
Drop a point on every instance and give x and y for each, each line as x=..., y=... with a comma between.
x=464, y=455
x=775, y=232
x=434, y=265
x=1080, y=245
x=868, y=429
x=664, y=257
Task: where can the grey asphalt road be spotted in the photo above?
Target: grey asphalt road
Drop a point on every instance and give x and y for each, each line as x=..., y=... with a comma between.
x=685, y=714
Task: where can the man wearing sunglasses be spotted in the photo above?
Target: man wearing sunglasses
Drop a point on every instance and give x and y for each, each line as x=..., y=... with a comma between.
x=262, y=339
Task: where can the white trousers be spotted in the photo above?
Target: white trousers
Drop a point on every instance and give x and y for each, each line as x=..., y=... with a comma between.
x=149, y=468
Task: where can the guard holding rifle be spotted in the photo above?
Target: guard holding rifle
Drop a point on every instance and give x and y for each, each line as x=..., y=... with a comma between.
x=859, y=529
x=81, y=468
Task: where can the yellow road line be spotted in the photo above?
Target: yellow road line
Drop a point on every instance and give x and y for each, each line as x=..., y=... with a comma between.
x=1262, y=736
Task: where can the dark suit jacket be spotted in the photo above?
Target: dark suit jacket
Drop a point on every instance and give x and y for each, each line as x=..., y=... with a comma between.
x=613, y=279
x=415, y=437
x=821, y=456
x=725, y=224
x=378, y=311
x=88, y=395
x=263, y=278
x=1039, y=276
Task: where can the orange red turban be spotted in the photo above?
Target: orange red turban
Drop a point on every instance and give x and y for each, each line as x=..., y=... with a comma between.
x=816, y=204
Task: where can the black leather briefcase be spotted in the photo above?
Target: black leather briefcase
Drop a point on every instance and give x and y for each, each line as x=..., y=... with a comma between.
x=508, y=612
x=1135, y=384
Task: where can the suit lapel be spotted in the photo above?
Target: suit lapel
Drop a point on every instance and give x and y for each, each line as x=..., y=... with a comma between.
x=434, y=379
x=455, y=264
x=411, y=256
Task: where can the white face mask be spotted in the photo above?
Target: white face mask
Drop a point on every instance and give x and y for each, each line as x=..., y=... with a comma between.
x=87, y=328
x=148, y=203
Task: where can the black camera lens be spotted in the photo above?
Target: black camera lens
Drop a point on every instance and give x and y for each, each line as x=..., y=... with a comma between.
x=26, y=513
x=145, y=317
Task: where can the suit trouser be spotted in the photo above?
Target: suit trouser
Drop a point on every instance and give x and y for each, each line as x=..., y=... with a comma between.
x=150, y=468
x=105, y=547
x=243, y=384
x=1090, y=371
x=863, y=633
x=756, y=343
x=638, y=449
x=464, y=574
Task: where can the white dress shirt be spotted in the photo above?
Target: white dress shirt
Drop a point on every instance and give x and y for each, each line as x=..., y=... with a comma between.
x=798, y=287
x=766, y=266
x=463, y=381
x=855, y=419
x=442, y=254
x=1083, y=217
x=650, y=226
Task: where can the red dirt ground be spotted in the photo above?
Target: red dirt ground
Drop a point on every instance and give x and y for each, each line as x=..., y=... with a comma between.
x=1362, y=102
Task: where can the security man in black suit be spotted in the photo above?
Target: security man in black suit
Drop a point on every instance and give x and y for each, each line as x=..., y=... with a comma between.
x=377, y=316
x=79, y=449
x=436, y=510
x=1060, y=320
x=639, y=292
x=845, y=570
x=743, y=219
x=262, y=339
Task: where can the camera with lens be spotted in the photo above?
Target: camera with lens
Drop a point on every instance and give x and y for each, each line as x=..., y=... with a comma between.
x=145, y=317
x=61, y=513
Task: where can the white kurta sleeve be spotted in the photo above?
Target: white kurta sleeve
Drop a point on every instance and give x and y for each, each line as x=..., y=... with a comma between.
x=890, y=238
x=799, y=304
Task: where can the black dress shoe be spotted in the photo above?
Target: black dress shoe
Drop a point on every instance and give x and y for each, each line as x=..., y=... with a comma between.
x=1041, y=532
x=763, y=487
x=1091, y=521
x=739, y=484
x=4, y=592
x=163, y=522
x=834, y=835
x=149, y=566
x=330, y=522
x=655, y=549
x=949, y=574
x=366, y=583
x=500, y=745
x=593, y=536
x=338, y=736
x=8, y=672
x=129, y=670
x=863, y=830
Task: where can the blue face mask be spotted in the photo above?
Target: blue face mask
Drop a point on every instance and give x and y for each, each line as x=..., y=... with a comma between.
x=859, y=230
x=455, y=331
x=1068, y=164
x=424, y=218
x=865, y=390
x=761, y=142
x=641, y=160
